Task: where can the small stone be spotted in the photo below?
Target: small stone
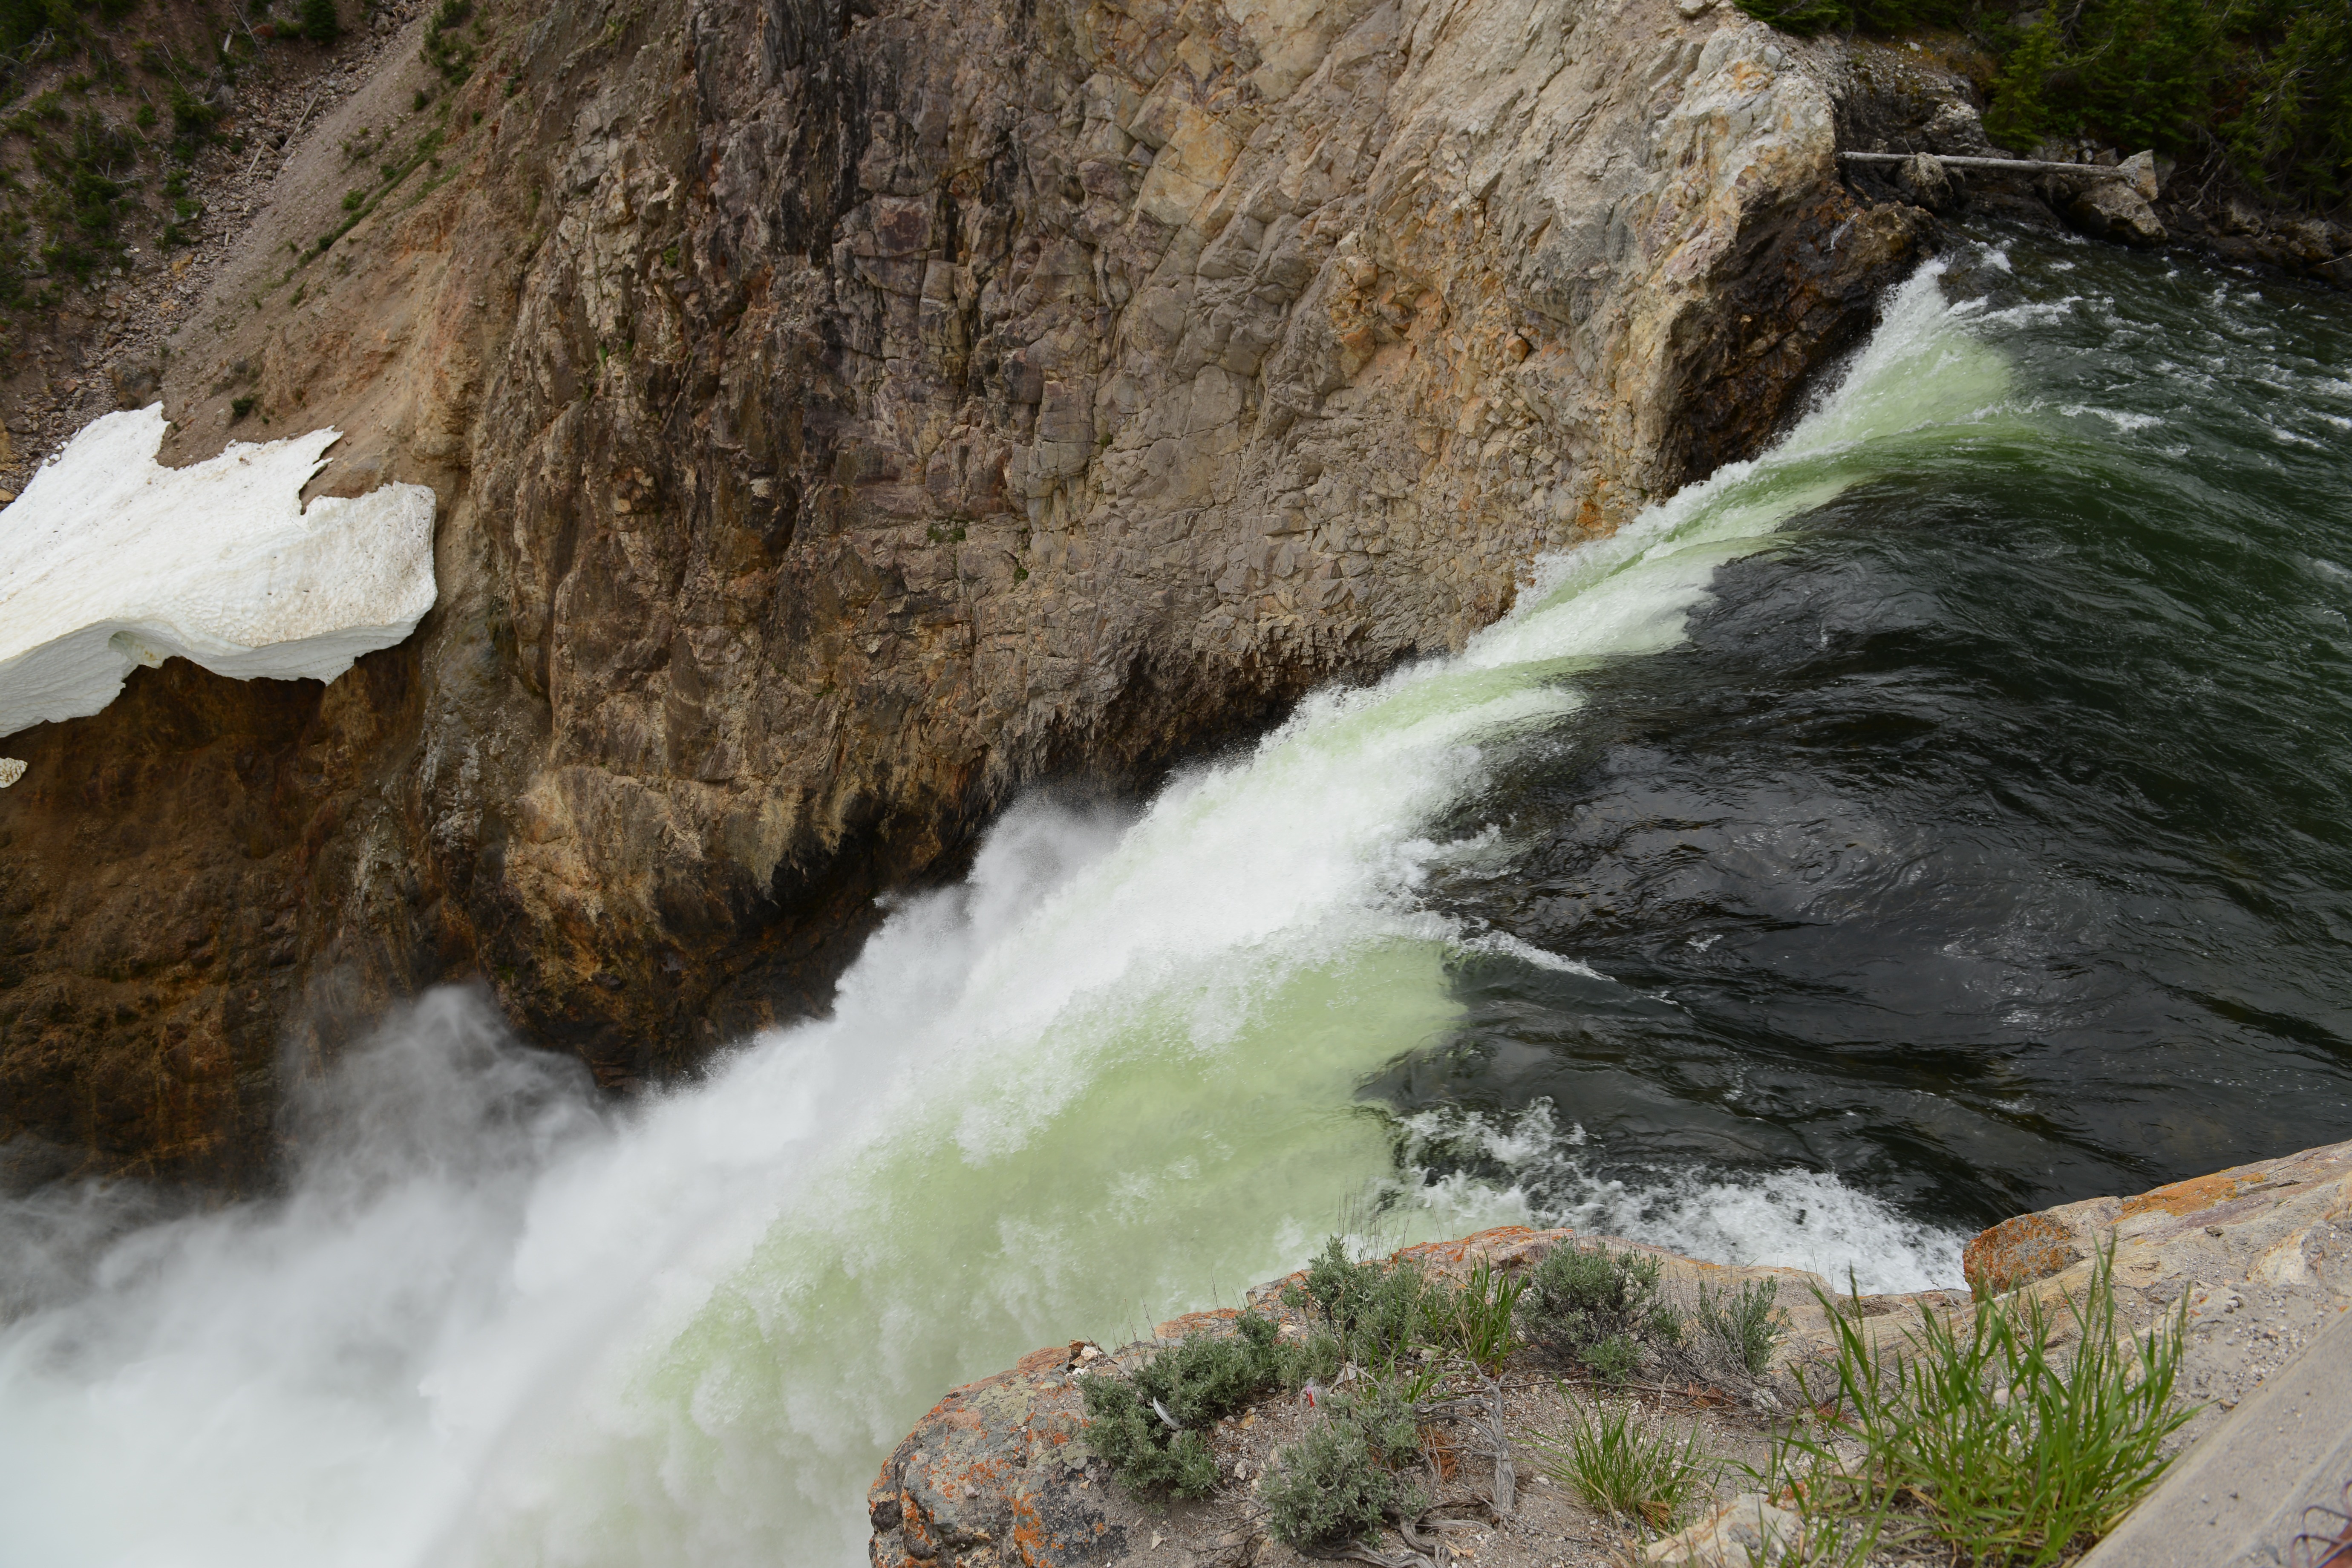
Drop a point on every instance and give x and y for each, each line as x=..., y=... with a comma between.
x=11, y=770
x=1694, y=8
x=1745, y=1533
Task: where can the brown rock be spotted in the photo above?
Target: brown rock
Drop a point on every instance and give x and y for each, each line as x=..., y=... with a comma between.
x=2016, y=1251
x=839, y=428
x=999, y=1470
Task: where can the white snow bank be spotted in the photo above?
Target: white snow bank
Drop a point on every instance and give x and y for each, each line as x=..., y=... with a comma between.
x=110, y=560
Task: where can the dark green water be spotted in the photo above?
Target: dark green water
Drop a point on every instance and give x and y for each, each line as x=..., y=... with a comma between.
x=1941, y=816
x=1988, y=841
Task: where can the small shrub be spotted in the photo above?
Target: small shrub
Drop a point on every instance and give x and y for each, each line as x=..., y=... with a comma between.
x=1742, y=1326
x=354, y=200
x=1143, y=1453
x=1197, y=1381
x=192, y=116
x=321, y=22
x=239, y=407
x=1340, y=1480
x=446, y=49
x=1594, y=1308
x=1621, y=1466
x=1378, y=1311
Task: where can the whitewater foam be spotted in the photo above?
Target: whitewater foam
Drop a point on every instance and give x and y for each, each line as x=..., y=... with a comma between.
x=1111, y=1076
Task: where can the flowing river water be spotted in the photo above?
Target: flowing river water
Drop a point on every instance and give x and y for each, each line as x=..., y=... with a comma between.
x=1939, y=816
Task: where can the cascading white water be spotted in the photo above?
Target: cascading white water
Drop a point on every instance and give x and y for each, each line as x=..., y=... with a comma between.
x=1110, y=1077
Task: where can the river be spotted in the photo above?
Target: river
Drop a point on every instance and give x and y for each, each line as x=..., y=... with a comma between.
x=1940, y=817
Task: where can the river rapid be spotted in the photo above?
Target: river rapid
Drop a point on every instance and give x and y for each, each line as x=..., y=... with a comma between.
x=1940, y=817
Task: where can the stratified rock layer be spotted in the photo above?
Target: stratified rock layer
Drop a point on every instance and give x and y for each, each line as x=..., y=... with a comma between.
x=845, y=420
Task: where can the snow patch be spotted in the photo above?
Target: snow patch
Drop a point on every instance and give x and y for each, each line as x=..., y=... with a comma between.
x=110, y=560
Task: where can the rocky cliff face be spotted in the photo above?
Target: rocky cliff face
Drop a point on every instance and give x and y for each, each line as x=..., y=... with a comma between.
x=846, y=415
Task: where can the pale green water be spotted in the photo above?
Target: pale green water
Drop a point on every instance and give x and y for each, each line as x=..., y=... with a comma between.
x=1113, y=1077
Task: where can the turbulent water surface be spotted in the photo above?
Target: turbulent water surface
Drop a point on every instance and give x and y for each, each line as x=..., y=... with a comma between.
x=1939, y=816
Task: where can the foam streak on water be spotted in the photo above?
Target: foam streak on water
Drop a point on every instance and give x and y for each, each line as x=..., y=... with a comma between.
x=1110, y=1077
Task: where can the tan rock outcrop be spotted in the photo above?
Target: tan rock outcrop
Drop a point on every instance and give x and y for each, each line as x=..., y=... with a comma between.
x=842, y=426
x=1000, y=1470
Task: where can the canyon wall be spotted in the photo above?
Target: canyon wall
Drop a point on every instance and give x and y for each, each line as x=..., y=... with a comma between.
x=845, y=417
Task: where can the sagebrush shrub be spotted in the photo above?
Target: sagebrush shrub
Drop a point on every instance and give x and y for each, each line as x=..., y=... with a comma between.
x=1198, y=1381
x=1341, y=1479
x=1742, y=1326
x=1594, y=1308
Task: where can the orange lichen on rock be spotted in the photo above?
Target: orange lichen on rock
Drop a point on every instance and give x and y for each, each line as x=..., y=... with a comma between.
x=2195, y=1195
x=2030, y=1246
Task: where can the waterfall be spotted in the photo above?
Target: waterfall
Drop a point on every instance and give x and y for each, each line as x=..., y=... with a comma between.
x=1112, y=1076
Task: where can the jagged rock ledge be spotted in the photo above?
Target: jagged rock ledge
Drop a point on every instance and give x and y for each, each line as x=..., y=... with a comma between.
x=999, y=1471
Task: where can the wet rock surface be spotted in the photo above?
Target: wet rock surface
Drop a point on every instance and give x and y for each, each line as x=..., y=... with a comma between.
x=842, y=425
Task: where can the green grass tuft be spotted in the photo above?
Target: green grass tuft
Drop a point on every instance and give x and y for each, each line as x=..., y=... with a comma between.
x=2022, y=1457
x=1621, y=1466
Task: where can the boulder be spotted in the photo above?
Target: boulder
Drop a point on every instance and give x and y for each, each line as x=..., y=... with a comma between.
x=1957, y=128
x=2113, y=209
x=2145, y=178
x=1926, y=181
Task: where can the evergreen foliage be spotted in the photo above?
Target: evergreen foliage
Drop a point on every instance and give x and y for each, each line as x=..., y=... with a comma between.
x=2264, y=84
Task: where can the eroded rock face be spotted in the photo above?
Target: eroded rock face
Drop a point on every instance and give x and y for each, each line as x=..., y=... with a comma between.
x=844, y=424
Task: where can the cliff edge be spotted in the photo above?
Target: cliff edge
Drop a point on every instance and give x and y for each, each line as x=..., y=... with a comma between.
x=842, y=418
x=2258, y=1258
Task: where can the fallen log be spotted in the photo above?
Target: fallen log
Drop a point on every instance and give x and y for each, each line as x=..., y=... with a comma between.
x=2002, y=165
